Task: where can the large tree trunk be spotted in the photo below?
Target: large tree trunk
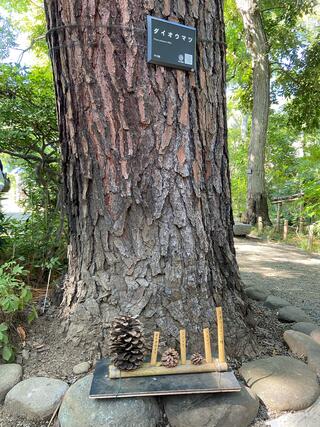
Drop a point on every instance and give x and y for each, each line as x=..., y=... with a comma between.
x=256, y=41
x=146, y=173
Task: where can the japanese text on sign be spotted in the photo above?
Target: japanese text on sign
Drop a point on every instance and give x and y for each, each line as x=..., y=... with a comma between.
x=171, y=44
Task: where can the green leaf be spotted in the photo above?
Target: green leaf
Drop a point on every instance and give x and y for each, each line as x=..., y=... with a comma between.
x=33, y=315
x=7, y=353
x=3, y=327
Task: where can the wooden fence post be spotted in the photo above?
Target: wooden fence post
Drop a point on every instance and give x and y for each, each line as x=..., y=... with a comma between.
x=279, y=205
x=285, y=229
x=301, y=225
x=310, y=237
x=260, y=224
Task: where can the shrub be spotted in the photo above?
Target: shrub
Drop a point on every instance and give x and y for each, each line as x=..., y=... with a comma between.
x=15, y=296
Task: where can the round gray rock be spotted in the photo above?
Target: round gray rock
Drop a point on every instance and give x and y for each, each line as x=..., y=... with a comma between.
x=77, y=410
x=315, y=335
x=212, y=410
x=304, y=327
x=81, y=368
x=299, y=343
x=275, y=302
x=10, y=375
x=35, y=398
x=240, y=229
x=310, y=417
x=292, y=314
x=282, y=383
x=303, y=345
x=314, y=361
x=256, y=293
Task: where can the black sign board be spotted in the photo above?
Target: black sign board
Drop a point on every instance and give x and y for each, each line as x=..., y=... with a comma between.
x=171, y=44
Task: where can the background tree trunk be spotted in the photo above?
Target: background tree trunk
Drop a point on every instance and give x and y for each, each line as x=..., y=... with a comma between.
x=256, y=41
x=146, y=173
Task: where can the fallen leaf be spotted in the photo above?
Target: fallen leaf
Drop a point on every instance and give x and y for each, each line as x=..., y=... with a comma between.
x=22, y=333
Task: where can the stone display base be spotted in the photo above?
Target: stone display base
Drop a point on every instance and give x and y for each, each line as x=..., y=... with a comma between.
x=214, y=382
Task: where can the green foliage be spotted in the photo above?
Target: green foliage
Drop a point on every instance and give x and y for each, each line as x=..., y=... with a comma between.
x=28, y=127
x=2, y=231
x=281, y=156
x=239, y=71
x=309, y=173
x=15, y=5
x=39, y=243
x=28, y=17
x=293, y=166
x=7, y=37
x=15, y=296
x=303, y=108
x=292, y=153
x=7, y=351
x=238, y=148
x=29, y=139
x=28, y=130
x=288, y=40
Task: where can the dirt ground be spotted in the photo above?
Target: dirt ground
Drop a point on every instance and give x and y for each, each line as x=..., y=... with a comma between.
x=283, y=270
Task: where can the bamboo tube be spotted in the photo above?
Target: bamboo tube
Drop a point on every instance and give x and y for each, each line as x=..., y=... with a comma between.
x=155, y=346
x=207, y=345
x=220, y=327
x=183, y=347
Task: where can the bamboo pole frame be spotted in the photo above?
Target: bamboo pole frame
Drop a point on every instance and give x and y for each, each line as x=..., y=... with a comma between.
x=154, y=368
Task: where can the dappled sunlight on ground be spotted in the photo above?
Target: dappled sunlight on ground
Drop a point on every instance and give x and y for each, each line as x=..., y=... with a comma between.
x=283, y=271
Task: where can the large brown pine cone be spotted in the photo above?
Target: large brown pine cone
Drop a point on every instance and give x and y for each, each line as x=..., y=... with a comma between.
x=196, y=359
x=170, y=358
x=127, y=343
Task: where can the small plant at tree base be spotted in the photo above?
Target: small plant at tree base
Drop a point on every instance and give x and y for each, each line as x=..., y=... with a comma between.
x=7, y=351
x=14, y=298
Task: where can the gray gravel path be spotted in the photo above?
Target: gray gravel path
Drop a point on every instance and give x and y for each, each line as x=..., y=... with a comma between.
x=282, y=270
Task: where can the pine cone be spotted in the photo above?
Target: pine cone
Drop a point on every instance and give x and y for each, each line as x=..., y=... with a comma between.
x=170, y=358
x=127, y=343
x=196, y=359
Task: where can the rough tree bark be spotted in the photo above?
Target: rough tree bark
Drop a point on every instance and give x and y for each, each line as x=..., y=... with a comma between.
x=256, y=41
x=146, y=173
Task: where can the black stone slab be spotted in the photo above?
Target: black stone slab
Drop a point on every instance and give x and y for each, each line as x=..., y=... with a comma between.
x=103, y=387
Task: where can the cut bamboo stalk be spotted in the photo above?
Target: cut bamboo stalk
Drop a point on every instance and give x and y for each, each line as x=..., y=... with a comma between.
x=220, y=328
x=146, y=370
x=207, y=345
x=183, y=347
x=155, y=346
